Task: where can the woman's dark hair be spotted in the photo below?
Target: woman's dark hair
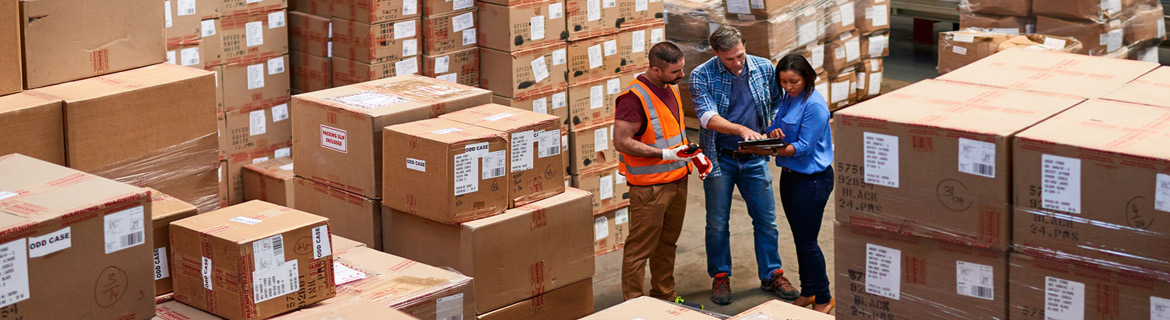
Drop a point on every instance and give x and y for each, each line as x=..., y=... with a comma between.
x=798, y=64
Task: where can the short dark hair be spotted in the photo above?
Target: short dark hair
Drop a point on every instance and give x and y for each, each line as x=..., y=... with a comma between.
x=724, y=38
x=664, y=53
x=798, y=64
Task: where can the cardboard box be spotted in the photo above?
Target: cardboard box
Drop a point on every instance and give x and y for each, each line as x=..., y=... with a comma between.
x=810, y=24
x=649, y=309
x=1052, y=72
x=374, y=11
x=310, y=34
x=210, y=43
x=593, y=103
x=1100, y=205
x=814, y=53
x=1045, y=42
x=571, y=302
x=1093, y=10
x=255, y=84
x=350, y=215
x=253, y=36
x=164, y=210
x=960, y=48
x=376, y=43
x=770, y=38
x=254, y=129
x=841, y=17
x=1098, y=38
x=169, y=309
x=187, y=54
x=511, y=74
x=347, y=72
x=1146, y=89
x=237, y=7
x=182, y=20
x=320, y=8
x=534, y=149
x=1020, y=8
x=875, y=45
x=588, y=19
x=822, y=86
x=759, y=10
x=235, y=168
x=11, y=75
x=957, y=139
x=609, y=188
x=354, y=308
x=432, y=168
x=450, y=32
x=222, y=184
x=78, y=228
x=64, y=41
x=178, y=140
x=417, y=289
x=842, y=53
x=590, y=148
x=339, y=131
x=554, y=103
x=518, y=20
x=998, y=24
x=309, y=72
x=270, y=181
x=461, y=67
x=34, y=126
x=248, y=242
x=776, y=309
x=1143, y=23
x=496, y=251
x=1044, y=286
x=889, y=275
x=634, y=46
x=842, y=89
x=869, y=79
x=593, y=59
x=639, y=14
x=872, y=16
x=610, y=230
x=442, y=7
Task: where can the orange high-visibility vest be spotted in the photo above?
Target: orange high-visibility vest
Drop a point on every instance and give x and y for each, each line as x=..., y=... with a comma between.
x=663, y=131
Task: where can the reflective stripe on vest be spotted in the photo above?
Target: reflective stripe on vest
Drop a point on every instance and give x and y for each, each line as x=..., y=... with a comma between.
x=658, y=168
x=659, y=140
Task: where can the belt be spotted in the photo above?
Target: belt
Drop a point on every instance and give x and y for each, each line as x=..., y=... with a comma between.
x=738, y=155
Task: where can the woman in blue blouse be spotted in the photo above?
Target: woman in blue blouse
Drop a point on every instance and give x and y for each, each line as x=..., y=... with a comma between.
x=807, y=173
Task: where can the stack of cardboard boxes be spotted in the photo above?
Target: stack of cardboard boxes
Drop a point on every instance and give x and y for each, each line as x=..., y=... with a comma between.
x=451, y=42
x=959, y=48
x=374, y=39
x=310, y=39
x=1127, y=29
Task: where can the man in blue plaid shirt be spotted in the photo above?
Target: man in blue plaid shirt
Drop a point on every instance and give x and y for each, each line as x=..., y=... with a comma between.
x=736, y=96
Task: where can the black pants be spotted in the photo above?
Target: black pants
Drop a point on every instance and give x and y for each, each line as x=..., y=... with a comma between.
x=803, y=197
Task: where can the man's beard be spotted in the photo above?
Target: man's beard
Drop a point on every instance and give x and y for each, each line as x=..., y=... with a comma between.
x=675, y=81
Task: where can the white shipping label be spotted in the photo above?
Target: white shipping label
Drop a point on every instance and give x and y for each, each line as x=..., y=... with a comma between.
x=495, y=164
x=556, y=11
x=416, y=164
x=592, y=10
x=280, y=112
x=466, y=173
x=959, y=50
x=246, y=220
x=883, y=271
x=124, y=229
x=206, y=271
x=321, y=242
x=608, y=3
x=1110, y=7
x=329, y=49
x=255, y=76
x=449, y=307
x=189, y=56
x=852, y=49
x=639, y=39
x=257, y=123
x=977, y=157
x=162, y=268
x=1159, y=308
x=657, y=35
x=404, y=29
x=807, y=33
x=550, y=143
x=967, y=38
x=596, y=97
x=476, y=150
x=875, y=83
x=1161, y=30
x=208, y=27
x=860, y=81
x=606, y=186
x=276, y=65
x=738, y=6
x=260, y=159
x=559, y=100
x=450, y=77
x=343, y=274
x=1061, y=183
x=405, y=67
x=1063, y=299
x=276, y=19
x=823, y=89
x=409, y=7
x=1162, y=192
x=171, y=57
x=618, y=178
x=463, y=21
x=613, y=86
x=186, y=7
x=640, y=5
x=167, y=14
x=975, y=280
x=847, y=15
x=522, y=143
x=818, y=56
x=462, y=4
x=254, y=33
x=601, y=139
x=757, y=4
x=282, y=153
x=536, y=27
x=470, y=148
x=469, y=37
x=600, y=228
x=276, y=282
x=498, y=116
x=1115, y=38
x=540, y=105
x=539, y=69
x=594, y=56
x=287, y=167
x=1006, y=30
x=6, y=195
x=622, y=216
x=881, y=15
x=877, y=45
x=409, y=47
x=49, y=243
x=268, y=253
x=14, y=271
x=334, y=139
x=840, y=91
x=559, y=57
x=881, y=159
x=839, y=53
x=610, y=47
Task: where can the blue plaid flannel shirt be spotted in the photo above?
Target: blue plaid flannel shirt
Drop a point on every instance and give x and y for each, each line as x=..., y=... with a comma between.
x=710, y=85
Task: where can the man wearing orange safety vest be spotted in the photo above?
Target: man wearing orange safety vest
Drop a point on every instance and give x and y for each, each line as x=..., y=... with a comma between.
x=651, y=139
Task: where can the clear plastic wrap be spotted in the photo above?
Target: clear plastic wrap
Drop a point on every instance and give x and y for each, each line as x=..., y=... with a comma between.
x=768, y=38
x=842, y=87
x=1099, y=11
x=1098, y=38
x=869, y=78
x=1145, y=51
x=815, y=54
x=840, y=17
x=872, y=15
x=842, y=52
x=875, y=45
x=1143, y=23
x=1052, y=287
x=692, y=21
x=186, y=171
x=1000, y=24
x=1019, y=8
x=960, y=48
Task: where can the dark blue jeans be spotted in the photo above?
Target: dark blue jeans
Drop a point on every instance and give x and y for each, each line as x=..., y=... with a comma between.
x=803, y=197
x=754, y=181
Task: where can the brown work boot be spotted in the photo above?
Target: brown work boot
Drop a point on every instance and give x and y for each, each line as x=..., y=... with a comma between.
x=721, y=289
x=780, y=285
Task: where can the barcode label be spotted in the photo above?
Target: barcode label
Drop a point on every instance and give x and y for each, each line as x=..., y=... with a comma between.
x=494, y=164
x=124, y=229
x=268, y=253
x=975, y=280
x=550, y=143
x=977, y=157
x=981, y=292
x=449, y=307
x=276, y=282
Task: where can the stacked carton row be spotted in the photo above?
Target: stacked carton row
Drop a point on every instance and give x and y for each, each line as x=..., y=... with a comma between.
x=1127, y=29
x=990, y=221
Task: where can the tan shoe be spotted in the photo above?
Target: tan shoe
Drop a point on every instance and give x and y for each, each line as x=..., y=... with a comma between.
x=826, y=308
x=804, y=302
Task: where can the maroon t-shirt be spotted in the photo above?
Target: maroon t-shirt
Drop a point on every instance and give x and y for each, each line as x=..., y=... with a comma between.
x=629, y=107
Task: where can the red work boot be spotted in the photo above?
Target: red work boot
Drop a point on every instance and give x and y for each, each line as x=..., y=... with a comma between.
x=721, y=289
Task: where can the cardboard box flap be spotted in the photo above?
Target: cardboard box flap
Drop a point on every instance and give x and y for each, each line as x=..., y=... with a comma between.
x=1109, y=126
x=249, y=221
x=964, y=107
x=34, y=189
x=1054, y=72
x=1152, y=89
x=498, y=117
x=164, y=206
x=445, y=131
x=341, y=244
x=776, y=309
x=396, y=281
x=279, y=168
x=649, y=309
x=25, y=100
x=122, y=82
